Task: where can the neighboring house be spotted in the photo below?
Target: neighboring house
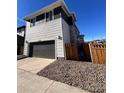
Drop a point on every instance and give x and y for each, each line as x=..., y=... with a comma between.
x=81, y=39
x=47, y=31
x=20, y=40
x=102, y=41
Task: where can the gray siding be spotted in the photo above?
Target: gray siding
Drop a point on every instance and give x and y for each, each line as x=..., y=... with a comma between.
x=74, y=34
x=66, y=31
x=44, y=32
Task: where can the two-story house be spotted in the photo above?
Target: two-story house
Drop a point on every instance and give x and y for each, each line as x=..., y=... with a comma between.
x=48, y=29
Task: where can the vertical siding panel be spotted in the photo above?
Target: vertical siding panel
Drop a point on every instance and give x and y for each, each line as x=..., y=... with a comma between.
x=66, y=36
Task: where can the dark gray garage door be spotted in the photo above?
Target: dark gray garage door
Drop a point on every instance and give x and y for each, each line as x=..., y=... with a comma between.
x=43, y=49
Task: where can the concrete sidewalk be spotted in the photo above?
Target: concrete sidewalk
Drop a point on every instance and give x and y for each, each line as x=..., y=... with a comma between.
x=29, y=82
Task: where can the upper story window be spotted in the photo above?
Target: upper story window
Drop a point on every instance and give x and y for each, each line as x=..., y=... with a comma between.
x=40, y=17
x=57, y=12
x=32, y=21
x=51, y=15
x=48, y=16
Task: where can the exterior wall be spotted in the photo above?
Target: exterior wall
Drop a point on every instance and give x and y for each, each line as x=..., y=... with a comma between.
x=74, y=34
x=44, y=32
x=66, y=34
x=66, y=31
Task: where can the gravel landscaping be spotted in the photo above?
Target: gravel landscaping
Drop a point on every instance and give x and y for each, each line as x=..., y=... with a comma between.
x=85, y=75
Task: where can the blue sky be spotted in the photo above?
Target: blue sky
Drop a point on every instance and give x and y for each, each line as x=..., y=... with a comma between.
x=90, y=14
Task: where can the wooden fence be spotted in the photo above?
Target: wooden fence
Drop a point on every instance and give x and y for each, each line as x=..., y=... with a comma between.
x=86, y=52
x=98, y=53
x=71, y=52
x=94, y=52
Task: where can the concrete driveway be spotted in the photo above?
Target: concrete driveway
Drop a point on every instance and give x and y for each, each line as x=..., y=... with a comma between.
x=33, y=64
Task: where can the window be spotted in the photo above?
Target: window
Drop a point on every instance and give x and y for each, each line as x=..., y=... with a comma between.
x=28, y=20
x=70, y=20
x=47, y=16
x=40, y=17
x=64, y=15
x=32, y=22
x=50, y=15
x=57, y=12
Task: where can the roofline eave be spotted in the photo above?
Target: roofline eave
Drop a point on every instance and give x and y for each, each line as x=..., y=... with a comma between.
x=47, y=8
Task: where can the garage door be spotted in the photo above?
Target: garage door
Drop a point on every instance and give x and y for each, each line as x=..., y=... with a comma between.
x=43, y=49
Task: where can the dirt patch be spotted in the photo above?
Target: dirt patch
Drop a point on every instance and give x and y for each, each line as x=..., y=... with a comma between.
x=88, y=76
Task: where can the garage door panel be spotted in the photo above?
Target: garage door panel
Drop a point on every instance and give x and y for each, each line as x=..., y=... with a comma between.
x=44, y=50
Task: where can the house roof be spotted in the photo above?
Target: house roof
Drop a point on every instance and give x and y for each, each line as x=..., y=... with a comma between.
x=21, y=28
x=50, y=7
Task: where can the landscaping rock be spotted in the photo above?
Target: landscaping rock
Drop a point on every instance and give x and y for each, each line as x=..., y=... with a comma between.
x=85, y=75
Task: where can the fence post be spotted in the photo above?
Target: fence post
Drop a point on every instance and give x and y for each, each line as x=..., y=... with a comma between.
x=91, y=52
